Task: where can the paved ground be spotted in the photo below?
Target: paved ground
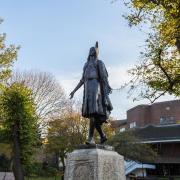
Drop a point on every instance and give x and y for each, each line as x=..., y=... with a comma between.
x=6, y=176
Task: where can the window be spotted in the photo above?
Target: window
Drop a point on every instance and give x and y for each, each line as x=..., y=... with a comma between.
x=133, y=124
x=167, y=120
x=122, y=129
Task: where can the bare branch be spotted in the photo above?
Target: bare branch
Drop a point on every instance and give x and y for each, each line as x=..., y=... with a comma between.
x=48, y=95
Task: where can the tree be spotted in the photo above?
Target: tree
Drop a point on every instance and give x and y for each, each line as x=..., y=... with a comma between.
x=127, y=144
x=159, y=71
x=7, y=56
x=48, y=94
x=163, y=17
x=65, y=133
x=20, y=125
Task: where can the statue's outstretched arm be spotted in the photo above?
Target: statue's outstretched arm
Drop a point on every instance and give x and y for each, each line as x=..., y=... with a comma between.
x=76, y=88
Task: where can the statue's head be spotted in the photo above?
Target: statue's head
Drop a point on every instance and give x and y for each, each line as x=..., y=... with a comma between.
x=93, y=52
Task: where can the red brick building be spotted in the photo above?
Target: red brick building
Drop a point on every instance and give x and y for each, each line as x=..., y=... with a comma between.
x=161, y=113
x=159, y=125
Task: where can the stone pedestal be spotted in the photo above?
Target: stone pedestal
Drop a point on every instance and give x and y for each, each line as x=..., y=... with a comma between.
x=94, y=163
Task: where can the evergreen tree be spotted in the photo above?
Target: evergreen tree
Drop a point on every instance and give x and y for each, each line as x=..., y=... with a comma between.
x=20, y=126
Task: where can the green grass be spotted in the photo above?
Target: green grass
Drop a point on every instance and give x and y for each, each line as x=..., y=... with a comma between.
x=43, y=178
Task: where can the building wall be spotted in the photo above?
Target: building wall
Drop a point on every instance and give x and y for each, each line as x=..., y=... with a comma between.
x=167, y=111
x=158, y=113
x=139, y=114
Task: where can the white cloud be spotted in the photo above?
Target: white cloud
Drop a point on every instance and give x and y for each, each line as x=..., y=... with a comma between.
x=118, y=75
x=69, y=82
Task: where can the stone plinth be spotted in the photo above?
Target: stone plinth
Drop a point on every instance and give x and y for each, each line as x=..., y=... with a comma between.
x=94, y=164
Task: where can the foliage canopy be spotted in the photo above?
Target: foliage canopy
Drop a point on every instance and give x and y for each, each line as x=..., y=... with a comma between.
x=7, y=56
x=128, y=145
x=20, y=120
x=158, y=72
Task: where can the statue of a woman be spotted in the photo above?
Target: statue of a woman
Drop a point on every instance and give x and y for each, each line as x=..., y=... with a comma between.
x=96, y=103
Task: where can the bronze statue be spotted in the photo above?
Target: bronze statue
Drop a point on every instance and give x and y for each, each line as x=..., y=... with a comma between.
x=96, y=103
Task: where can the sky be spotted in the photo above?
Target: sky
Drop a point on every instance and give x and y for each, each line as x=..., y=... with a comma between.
x=55, y=36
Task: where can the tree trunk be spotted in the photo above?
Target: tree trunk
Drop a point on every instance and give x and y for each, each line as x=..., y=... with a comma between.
x=63, y=163
x=57, y=160
x=178, y=43
x=17, y=166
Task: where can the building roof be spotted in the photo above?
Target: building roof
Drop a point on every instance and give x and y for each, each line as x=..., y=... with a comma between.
x=155, y=134
x=177, y=101
x=139, y=106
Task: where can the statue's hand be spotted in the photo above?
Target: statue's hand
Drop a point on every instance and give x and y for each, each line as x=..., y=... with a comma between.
x=71, y=95
x=110, y=90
